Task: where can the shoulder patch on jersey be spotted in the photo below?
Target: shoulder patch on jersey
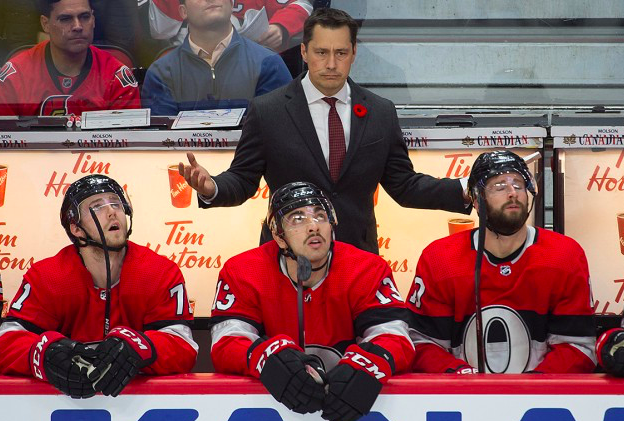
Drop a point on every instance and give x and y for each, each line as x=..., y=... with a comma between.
x=7, y=70
x=126, y=77
x=55, y=105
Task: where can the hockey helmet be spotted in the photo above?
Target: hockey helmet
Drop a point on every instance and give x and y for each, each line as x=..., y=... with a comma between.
x=84, y=188
x=491, y=164
x=295, y=195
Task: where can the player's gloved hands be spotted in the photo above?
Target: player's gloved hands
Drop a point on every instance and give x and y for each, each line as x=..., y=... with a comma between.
x=293, y=378
x=610, y=351
x=119, y=358
x=356, y=381
x=463, y=369
x=63, y=363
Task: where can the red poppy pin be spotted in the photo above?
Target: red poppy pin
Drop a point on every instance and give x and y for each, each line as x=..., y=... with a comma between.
x=359, y=110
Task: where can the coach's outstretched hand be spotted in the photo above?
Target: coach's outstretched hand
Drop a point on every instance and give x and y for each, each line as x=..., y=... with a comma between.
x=119, y=358
x=291, y=376
x=197, y=176
x=63, y=363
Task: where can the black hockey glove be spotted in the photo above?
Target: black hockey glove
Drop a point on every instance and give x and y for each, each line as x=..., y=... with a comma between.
x=356, y=381
x=63, y=363
x=293, y=378
x=610, y=351
x=119, y=358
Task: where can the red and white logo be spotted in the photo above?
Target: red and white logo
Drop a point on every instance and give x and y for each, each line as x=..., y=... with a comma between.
x=126, y=77
x=365, y=363
x=7, y=70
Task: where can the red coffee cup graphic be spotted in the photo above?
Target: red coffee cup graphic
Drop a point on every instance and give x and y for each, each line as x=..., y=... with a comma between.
x=179, y=188
x=3, y=182
x=620, y=221
x=460, y=224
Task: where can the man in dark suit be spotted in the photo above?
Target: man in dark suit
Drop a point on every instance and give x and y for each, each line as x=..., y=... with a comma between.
x=325, y=129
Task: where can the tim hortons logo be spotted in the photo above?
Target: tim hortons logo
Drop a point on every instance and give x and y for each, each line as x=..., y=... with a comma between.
x=601, y=179
x=569, y=140
x=3, y=179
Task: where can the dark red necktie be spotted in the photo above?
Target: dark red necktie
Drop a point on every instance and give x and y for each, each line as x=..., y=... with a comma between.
x=337, y=147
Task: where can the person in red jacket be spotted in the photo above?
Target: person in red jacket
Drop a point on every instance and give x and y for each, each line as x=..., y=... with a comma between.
x=536, y=303
x=91, y=317
x=354, y=319
x=66, y=75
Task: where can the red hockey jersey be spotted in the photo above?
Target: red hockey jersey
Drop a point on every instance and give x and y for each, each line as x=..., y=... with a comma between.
x=537, y=306
x=357, y=299
x=58, y=294
x=30, y=85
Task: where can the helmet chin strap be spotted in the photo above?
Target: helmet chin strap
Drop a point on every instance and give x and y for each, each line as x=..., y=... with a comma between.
x=288, y=252
x=88, y=241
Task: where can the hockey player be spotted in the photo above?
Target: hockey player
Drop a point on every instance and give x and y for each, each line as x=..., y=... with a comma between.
x=60, y=311
x=66, y=75
x=535, y=293
x=356, y=334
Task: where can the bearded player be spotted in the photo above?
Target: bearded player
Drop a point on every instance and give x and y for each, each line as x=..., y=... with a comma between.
x=355, y=325
x=536, y=298
x=59, y=327
x=66, y=75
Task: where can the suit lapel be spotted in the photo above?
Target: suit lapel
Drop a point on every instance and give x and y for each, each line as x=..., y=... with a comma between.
x=358, y=125
x=299, y=112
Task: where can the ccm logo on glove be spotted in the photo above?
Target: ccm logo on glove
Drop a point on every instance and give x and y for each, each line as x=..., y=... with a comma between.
x=272, y=348
x=362, y=361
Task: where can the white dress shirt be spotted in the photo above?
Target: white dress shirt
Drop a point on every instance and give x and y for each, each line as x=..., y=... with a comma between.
x=319, y=110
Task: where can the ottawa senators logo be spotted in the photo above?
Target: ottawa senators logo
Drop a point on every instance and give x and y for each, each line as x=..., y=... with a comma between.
x=126, y=77
x=55, y=105
x=7, y=70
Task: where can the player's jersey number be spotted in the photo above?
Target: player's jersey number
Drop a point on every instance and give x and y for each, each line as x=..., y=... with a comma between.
x=223, y=298
x=387, y=292
x=17, y=305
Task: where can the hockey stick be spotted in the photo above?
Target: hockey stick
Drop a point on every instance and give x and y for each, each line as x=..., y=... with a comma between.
x=477, y=285
x=108, y=272
x=304, y=271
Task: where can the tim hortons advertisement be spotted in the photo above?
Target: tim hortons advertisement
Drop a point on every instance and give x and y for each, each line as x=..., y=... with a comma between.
x=594, y=216
x=168, y=220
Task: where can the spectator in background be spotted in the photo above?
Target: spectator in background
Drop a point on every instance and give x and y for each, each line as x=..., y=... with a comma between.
x=285, y=19
x=66, y=75
x=214, y=68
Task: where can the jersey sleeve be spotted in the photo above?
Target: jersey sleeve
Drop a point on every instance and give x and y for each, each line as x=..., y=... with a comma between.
x=431, y=322
x=164, y=18
x=27, y=318
x=167, y=325
x=571, y=330
x=381, y=316
x=291, y=16
x=236, y=319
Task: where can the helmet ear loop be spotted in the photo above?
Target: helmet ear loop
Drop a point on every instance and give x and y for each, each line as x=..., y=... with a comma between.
x=80, y=241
